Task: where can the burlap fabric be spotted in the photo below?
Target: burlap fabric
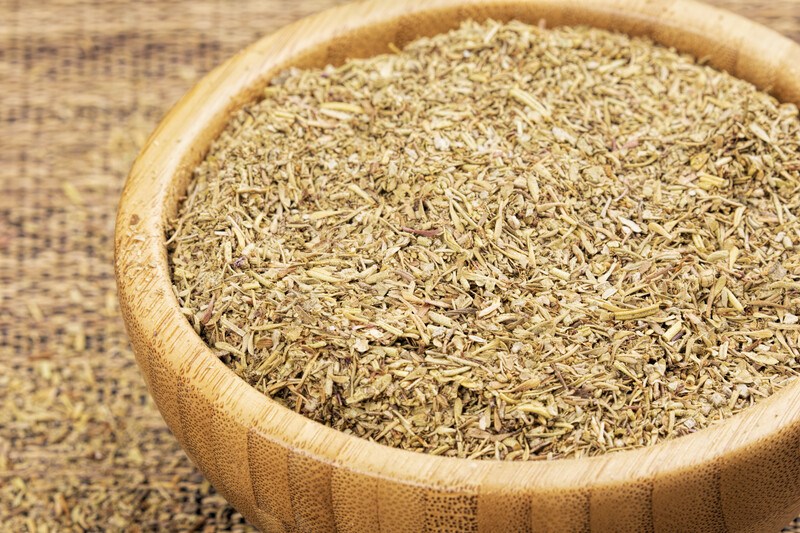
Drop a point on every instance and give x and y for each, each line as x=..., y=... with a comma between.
x=82, y=82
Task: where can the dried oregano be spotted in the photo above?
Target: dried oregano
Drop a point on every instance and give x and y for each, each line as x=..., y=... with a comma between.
x=502, y=242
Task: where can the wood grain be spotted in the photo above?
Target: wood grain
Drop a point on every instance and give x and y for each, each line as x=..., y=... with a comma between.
x=285, y=472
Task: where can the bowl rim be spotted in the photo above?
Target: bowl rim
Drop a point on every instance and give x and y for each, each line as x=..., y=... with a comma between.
x=161, y=334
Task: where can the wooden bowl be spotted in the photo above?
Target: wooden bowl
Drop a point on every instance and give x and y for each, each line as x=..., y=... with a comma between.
x=284, y=472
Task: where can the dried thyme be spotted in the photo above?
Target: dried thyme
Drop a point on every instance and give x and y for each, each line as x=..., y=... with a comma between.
x=502, y=242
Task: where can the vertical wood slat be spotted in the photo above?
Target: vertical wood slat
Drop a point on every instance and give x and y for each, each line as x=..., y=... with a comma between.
x=268, y=467
x=625, y=508
x=759, y=489
x=688, y=500
x=504, y=510
x=310, y=491
x=401, y=506
x=556, y=511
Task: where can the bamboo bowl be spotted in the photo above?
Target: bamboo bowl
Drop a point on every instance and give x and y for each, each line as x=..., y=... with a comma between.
x=284, y=472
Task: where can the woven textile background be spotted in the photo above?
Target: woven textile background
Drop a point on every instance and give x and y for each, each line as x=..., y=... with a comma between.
x=82, y=82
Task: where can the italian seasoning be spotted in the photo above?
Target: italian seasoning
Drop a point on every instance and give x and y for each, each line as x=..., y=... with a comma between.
x=503, y=242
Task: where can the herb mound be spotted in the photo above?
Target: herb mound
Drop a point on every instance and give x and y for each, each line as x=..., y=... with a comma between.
x=502, y=242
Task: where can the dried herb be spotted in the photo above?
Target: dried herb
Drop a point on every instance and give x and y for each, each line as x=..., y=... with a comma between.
x=502, y=242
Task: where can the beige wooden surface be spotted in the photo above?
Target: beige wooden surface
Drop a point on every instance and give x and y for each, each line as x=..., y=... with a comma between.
x=83, y=83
